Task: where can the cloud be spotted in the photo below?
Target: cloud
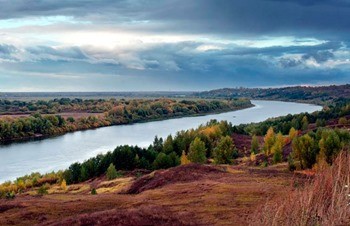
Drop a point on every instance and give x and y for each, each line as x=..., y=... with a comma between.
x=173, y=44
x=59, y=53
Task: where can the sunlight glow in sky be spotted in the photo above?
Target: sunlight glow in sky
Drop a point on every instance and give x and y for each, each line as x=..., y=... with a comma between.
x=106, y=45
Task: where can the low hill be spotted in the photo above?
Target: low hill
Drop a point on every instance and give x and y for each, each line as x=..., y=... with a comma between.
x=309, y=94
x=184, y=195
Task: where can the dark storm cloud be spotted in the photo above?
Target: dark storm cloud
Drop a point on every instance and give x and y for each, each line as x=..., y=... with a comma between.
x=319, y=56
x=329, y=19
x=300, y=42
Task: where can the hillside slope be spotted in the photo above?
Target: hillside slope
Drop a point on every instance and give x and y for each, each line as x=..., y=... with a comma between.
x=185, y=195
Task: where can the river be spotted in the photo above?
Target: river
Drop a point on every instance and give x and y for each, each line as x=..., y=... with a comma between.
x=57, y=153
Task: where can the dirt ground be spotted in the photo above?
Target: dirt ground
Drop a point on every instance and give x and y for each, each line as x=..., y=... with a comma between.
x=185, y=195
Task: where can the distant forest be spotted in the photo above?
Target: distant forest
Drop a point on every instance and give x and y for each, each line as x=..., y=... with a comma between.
x=309, y=94
x=20, y=119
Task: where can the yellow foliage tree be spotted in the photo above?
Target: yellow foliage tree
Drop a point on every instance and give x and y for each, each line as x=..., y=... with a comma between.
x=293, y=133
x=269, y=141
x=184, y=159
x=64, y=185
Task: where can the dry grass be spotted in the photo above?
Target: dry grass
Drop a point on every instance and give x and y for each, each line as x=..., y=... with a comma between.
x=323, y=201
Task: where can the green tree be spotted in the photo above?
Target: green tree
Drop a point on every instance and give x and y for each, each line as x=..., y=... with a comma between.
x=305, y=123
x=197, y=151
x=254, y=145
x=223, y=153
x=111, y=172
x=168, y=145
x=330, y=145
x=277, y=148
x=305, y=150
x=162, y=161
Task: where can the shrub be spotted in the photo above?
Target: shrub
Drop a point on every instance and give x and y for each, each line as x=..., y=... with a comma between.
x=43, y=190
x=93, y=191
x=10, y=195
x=63, y=185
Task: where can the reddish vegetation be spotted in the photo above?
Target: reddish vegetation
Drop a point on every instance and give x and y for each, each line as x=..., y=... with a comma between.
x=190, y=194
x=243, y=142
x=152, y=215
x=181, y=174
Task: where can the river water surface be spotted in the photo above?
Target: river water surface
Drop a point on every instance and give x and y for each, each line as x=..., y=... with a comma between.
x=57, y=153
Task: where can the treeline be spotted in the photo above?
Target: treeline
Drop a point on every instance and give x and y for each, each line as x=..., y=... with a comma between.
x=211, y=140
x=62, y=105
x=315, y=149
x=301, y=121
x=316, y=94
x=116, y=112
x=318, y=149
x=196, y=145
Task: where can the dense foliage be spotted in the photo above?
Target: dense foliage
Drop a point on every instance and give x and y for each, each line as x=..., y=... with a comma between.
x=310, y=94
x=197, y=144
x=299, y=122
x=312, y=145
x=116, y=112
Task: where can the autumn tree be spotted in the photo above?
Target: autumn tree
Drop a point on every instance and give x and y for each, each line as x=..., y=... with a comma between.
x=197, y=151
x=269, y=141
x=277, y=148
x=184, y=159
x=293, y=133
x=63, y=185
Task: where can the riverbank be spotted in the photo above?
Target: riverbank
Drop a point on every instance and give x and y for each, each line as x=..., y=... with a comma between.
x=35, y=137
x=57, y=153
x=75, y=115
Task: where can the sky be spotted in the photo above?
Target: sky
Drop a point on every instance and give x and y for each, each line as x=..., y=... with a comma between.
x=172, y=45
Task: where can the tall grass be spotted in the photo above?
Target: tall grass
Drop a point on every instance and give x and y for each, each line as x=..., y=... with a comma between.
x=323, y=201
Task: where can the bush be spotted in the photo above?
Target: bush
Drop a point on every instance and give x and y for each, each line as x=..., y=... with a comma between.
x=63, y=185
x=93, y=191
x=43, y=190
x=10, y=195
